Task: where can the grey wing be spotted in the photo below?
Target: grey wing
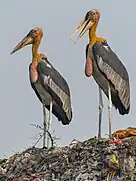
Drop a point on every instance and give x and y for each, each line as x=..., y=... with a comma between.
x=56, y=85
x=110, y=65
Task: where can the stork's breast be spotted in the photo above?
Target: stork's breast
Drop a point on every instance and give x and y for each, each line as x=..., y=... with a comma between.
x=88, y=67
x=33, y=73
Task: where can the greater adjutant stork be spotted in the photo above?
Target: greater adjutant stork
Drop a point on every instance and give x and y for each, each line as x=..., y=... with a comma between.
x=50, y=87
x=106, y=68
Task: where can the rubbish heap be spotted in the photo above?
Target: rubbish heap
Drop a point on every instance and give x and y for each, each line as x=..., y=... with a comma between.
x=91, y=160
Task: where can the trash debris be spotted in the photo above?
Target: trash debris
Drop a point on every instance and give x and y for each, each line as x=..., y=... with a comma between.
x=125, y=133
x=114, y=162
x=91, y=160
x=115, y=141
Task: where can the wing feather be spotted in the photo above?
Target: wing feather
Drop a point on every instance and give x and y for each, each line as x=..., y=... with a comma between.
x=56, y=85
x=114, y=70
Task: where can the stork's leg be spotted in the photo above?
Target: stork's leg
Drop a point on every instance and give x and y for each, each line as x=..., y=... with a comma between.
x=109, y=109
x=44, y=126
x=100, y=112
x=49, y=123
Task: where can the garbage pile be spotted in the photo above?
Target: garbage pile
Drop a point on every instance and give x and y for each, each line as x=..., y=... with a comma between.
x=91, y=160
x=124, y=133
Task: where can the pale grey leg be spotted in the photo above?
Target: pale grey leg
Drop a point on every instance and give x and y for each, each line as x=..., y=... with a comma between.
x=44, y=126
x=100, y=112
x=49, y=124
x=109, y=109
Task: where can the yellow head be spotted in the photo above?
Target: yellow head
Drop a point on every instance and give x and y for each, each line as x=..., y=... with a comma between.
x=32, y=37
x=90, y=21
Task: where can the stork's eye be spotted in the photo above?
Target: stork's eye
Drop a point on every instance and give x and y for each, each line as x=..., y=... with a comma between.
x=92, y=13
x=88, y=15
x=34, y=33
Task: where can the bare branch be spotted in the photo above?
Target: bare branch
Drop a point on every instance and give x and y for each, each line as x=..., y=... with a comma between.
x=37, y=126
x=52, y=138
x=38, y=140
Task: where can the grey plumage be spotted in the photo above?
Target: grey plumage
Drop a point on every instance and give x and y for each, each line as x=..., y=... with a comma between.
x=51, y=85
x=107, y=68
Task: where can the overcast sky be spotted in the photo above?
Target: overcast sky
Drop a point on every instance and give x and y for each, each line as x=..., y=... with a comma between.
x=18, y=104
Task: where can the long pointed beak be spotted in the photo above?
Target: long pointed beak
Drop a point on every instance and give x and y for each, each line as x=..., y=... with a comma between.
x=77, y=29
x=26, y=41
x=83, y=26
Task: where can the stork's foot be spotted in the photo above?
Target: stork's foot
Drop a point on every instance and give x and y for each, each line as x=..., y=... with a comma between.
x=100, y=139
x=44, y=147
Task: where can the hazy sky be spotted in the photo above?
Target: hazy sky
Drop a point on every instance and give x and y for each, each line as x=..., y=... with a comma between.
x=18, y=104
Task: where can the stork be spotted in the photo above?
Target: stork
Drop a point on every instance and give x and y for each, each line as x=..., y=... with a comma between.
x=104, y=65
x=50, y=87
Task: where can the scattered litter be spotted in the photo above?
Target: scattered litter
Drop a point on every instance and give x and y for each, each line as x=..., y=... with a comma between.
x=125, y=133
x=91, y=160
x=115, y=141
